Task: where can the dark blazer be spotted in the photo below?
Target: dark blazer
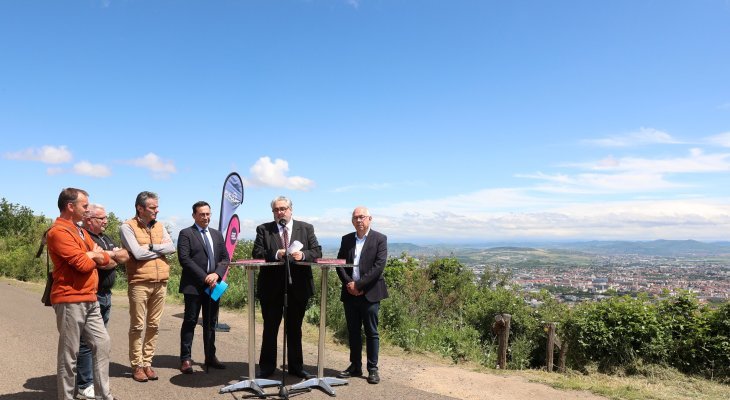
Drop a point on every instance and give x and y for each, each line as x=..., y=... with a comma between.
x=373, y=257
x=193, y=257
x=271, y=279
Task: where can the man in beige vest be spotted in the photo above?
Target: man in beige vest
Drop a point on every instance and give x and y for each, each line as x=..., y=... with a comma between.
x=148, y=270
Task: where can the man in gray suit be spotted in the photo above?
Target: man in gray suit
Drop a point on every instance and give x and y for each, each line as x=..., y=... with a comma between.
x=362, y=289
x=204, y=259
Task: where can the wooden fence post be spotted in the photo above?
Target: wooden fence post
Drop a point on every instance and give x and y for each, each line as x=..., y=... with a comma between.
x=550, y=346
x=501, y=329
x=563, y=353
x=553, y=340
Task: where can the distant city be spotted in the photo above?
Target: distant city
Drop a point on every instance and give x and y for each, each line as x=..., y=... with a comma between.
x=581, y=271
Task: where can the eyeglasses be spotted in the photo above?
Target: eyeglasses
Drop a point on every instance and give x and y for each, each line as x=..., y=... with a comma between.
x=359, y=217
x=279, y=209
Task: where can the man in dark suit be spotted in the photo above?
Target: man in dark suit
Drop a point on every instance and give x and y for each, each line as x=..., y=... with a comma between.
x=204, y=260
x=362, y=289
x=271, y=243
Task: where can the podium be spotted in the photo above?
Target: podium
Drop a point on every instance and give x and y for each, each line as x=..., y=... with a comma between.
x=321, y=381
x=253, y=384
x=257, y=385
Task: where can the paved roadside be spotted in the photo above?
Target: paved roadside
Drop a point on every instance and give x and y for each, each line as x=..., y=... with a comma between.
x=28, y=341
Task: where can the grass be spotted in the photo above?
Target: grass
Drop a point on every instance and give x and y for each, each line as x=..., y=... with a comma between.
x=655, y=382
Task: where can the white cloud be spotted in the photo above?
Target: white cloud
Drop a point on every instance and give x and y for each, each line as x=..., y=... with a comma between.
x=643, y=136
x=160, y=168
x=273, y=174
x=94, y=170
x=701, y=219
x=631, y=174
x=722, y=139
x=46, y=154
x=630, y=182
x=696, y=162
x=353, y=3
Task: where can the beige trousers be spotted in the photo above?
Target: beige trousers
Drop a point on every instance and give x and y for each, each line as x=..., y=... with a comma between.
x=146, y=303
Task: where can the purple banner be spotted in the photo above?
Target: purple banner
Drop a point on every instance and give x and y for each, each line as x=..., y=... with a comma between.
x=231, y=199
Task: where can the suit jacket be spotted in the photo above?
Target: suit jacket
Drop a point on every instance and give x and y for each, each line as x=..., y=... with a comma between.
x=373, y=257
x=193, y=257
x=271, y=279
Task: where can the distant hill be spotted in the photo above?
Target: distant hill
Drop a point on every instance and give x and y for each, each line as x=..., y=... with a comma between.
x=484, y=251
x=666, y=248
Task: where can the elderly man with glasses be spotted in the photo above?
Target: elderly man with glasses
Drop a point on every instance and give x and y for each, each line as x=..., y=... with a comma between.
x=272, y=243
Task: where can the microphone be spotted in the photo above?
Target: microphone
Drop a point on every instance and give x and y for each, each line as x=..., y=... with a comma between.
x=282, y=222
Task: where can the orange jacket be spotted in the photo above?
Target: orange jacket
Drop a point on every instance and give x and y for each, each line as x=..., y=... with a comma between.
x=75, y=279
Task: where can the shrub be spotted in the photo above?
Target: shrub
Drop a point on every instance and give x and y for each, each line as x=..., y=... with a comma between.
x=616, y=332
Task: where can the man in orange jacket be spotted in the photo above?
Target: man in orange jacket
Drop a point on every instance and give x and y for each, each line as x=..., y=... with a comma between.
x=76, y=258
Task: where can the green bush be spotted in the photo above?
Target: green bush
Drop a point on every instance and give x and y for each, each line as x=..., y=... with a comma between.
x=616, y=332
x=717, y=344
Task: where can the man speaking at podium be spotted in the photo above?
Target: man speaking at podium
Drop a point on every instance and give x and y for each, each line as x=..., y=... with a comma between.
x=274, y=240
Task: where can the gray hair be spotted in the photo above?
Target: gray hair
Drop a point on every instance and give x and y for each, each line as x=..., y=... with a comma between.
x=282, y=198
x=93, y=207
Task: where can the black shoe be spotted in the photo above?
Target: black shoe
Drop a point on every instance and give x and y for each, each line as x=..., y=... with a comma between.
x=373, y=376
x=302, y=374
x=215, y=363
x=264, y=374
x=350, y=372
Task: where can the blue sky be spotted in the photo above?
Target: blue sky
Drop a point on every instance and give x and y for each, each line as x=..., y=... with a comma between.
x=452, y=120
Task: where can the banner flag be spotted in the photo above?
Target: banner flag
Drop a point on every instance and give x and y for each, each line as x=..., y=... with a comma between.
x=231, y=199
x=234, y=227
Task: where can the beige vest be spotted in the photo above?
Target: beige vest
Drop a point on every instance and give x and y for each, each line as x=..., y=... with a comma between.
x=155, y=270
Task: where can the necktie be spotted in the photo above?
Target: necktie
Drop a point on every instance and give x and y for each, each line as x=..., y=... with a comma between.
x=209, y=250
x=285, y=237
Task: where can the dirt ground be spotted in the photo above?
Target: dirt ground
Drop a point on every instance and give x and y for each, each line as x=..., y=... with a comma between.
x=28, y=333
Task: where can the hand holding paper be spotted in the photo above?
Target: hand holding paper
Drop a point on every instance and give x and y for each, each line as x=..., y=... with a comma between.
x=294, y=247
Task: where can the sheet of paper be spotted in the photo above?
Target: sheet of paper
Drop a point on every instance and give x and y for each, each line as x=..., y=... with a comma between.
x=294, y=247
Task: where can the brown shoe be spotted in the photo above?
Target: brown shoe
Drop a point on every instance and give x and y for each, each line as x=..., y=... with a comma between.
x=186, y=367
x=139, y=375
x=151, y=374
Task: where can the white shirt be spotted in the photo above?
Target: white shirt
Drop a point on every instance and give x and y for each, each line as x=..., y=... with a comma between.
x=210, y=240
x=358, y=248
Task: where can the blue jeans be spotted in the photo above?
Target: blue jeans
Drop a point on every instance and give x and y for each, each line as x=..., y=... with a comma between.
x=359, y=312
x=84, y=362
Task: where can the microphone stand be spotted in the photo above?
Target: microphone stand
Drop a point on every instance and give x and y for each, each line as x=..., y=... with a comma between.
x=283, y=392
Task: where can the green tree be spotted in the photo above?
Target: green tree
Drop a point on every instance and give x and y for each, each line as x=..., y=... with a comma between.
x=20, y=235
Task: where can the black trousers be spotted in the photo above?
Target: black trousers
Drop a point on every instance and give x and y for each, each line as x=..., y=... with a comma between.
x=359, y=314
x=193, y=304
x=272, y=311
